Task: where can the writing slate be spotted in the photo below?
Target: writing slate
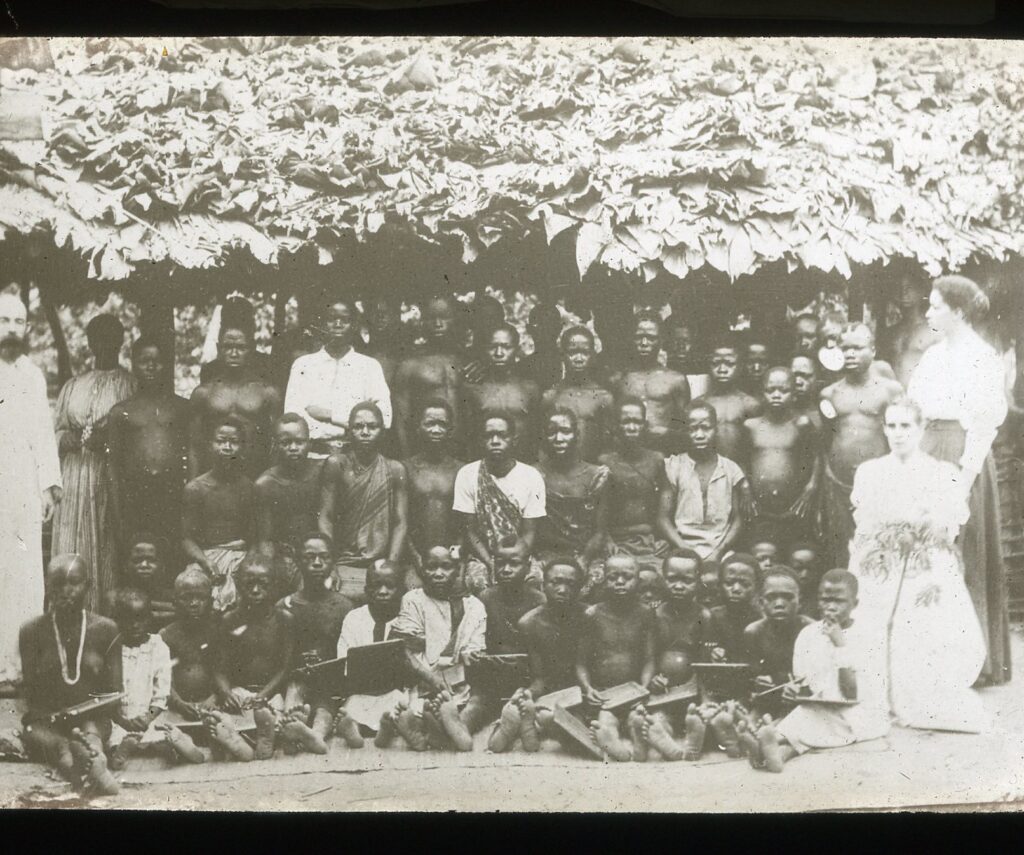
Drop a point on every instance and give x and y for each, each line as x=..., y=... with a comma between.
x=78, y=710
x=499, y=676
x=375, y=669
x=576, y=731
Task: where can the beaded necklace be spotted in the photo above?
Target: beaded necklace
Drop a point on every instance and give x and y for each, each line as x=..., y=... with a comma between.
x=62, y=652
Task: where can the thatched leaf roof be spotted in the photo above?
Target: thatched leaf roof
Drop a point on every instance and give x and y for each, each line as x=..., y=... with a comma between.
x=658, y=156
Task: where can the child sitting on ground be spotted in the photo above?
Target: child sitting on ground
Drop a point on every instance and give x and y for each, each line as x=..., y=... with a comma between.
x=370, y=624
x=551, y=635
x=836, y=659
x=507, y=600
x=146, y=679
x=678, y=626
x=145, y=572
x=723, y=640
x=316, y=614
x=255, y=654
x=804, y=559
x=219, y=514
x=444, y=630
x=192, y=641
x=616, y=646
x=770, y=640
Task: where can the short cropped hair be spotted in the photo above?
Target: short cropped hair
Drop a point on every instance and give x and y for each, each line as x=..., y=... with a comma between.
x=565, y=413
x=504, y=415
x=149, y=537
x=857, y=326
x=124, y=597
x=228, y=420
x=563, y=561
x=632, y=401
x=688, y=554
x=746, y=560
x=144, y=341
x=698, y=404
x=839, y=576
x=563, y=339
x=368, y=407
x=780, y=570
x=505, y=327
x=438, y=404
x=291, y=419
x=303, y=539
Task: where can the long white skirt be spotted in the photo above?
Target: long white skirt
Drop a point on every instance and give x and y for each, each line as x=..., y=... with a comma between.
x=933, y=642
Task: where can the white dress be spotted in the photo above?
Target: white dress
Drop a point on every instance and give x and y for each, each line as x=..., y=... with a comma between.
x=28, y=465
x=912, y=591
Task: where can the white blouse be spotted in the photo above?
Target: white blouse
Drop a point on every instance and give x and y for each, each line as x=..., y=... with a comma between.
x=963, y=383
x=921, y=490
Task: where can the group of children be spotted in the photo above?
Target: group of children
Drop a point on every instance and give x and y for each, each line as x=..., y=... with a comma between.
x=612, y=561
x=237, y=685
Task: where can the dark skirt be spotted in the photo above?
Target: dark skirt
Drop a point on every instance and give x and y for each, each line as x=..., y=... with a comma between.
x=982, y=550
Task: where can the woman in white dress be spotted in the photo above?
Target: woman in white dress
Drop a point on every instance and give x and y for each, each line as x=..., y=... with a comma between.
x=912, y=593
x=959, y=385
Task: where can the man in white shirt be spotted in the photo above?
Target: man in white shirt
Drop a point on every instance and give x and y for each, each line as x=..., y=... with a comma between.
x=324, y=386
x=500, y=500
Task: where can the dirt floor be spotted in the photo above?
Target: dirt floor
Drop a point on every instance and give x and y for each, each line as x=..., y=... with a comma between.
x=908, y=768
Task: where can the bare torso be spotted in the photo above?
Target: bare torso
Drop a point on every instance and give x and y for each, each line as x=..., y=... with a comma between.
x=432, y=521
x=677, y=635
x=192, y=646
x=781, y=460
x=733, y=408
x=592, y=405
x=289, y=501
x=222, y=511
x=665, y=393
x=618, y=643
x=633, y=491
x=855, y=433
x=909, y=346
x=252, y=400
x=554, y=639
x=517, y=396
x=152, y=435
x=254, y=647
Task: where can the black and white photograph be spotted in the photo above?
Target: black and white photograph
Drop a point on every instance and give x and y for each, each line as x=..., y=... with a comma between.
x=511, y=423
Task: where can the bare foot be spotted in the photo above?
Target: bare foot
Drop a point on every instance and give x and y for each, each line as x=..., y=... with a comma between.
x=224, y=734
x=749, y=744
x=725, y=732
x=181, y=744
x=529, y=733
x=658, y=737
x=448, y=712
x=605, y=730
x=768, y=739
x=408, y=725
x=297, y=730
x=120, y=756
x=431, y=718
x=693, y=743
x=323, y=723
x=507, y=728
x=96, y=773
x=386, y=730
x=635, y=726
x=266, y=725
x=346, y=727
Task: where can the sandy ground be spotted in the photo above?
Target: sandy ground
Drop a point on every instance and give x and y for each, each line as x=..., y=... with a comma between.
x=908, y=768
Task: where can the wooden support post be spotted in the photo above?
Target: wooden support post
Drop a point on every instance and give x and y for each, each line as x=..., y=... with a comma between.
x=60, y=343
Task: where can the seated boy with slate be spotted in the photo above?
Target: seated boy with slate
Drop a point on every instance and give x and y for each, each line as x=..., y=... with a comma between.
x=616, y=646
x=371, y=624
x=443, y=629
x=316, y=614
x=550, y=634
